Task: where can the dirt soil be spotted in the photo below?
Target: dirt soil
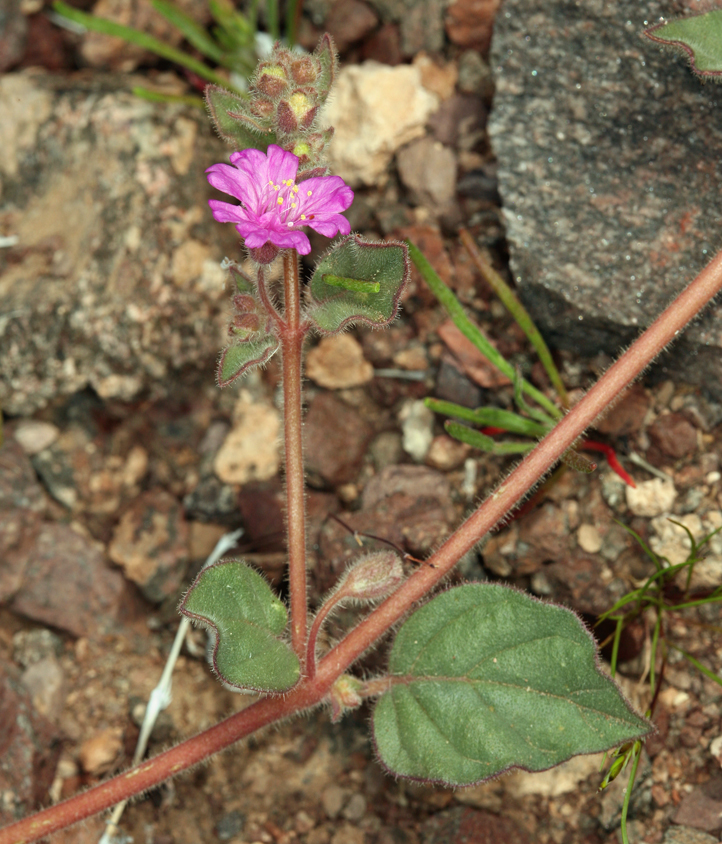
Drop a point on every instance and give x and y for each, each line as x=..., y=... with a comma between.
x=153, y=490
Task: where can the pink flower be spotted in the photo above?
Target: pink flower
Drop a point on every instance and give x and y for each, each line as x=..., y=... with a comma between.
x=273, y=207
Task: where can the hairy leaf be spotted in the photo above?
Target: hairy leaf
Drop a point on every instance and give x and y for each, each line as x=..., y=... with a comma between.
x=485, y=678
x=358, y=281
x=240, y=358
x=238, y=605
x=699, y=37
x=234, y=123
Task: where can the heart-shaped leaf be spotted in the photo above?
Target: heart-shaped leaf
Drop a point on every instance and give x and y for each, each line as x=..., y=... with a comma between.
x=358, y=281
x=247, y=618
x=699, y=37
x=239, y=358
x=484, y=679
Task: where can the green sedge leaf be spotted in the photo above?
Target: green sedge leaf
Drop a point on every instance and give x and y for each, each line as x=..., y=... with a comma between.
x=484, y=678
x=234, y=601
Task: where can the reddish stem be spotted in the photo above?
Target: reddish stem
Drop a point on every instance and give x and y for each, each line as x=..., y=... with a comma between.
x=292, y=337
x=309, y=692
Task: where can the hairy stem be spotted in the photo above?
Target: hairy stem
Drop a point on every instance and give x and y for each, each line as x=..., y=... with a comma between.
x=310, y=692
x=292, y=336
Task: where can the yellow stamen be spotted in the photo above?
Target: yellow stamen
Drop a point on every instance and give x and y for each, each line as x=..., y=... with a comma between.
x=280, y=200
x=303, y=216
x=308, y=193
x=295, y=188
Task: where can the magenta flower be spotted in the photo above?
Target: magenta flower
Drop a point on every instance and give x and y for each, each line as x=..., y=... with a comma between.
x=273, y=207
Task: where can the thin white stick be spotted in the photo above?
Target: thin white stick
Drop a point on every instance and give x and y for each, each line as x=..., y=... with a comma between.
x=161, y=695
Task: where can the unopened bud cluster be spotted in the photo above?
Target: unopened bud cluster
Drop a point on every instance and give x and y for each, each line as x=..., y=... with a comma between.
x=372, y=577
x=286, y=94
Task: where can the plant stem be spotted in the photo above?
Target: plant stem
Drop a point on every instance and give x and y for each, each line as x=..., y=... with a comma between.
x=310, y=692
x=292, y=336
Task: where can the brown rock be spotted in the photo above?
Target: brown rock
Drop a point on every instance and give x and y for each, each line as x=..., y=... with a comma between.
x=627, y=415
x=150, y=544
x=67, y=584
x=673, y=434
x=45, y=681
x=702, y=807
x=416, y=481
x=472, y=826
x=350, y=21
x=461, y=116
x=384, y=45
x=428, y=169
x=29, y=749
x=474, y=364
x=18, y=529
x=19, y=485
x=469, y=23
x=99, y=753
x=336, y=440
x=338, y=362
x=428, y=239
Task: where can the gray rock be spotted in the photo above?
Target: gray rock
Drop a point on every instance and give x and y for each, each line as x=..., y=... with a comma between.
x=686, y=835
x=114, y=281
x=609, y=172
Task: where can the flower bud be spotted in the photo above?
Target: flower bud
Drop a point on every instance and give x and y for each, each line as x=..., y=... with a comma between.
x=305, y=70
x=271, y=79
x=297, y=112
x=345, y=694
x=373, y=576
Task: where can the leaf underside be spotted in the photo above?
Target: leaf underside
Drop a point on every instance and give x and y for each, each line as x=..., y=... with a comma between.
x=699, y=37
x=237, y=603
x=484, y=679
x=239, y=358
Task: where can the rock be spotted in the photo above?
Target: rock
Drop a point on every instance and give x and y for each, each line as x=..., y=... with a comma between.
x=627, y=415
x=68, y=585
x=350, y=21
x=469, y=23
x=336, y=438
x=651, y=498
x=212, y=501
x=422, y=27
x=29, y=749
x=45, y=681
x=18, y=530
x=446, y=453
x=702, y=807
x=459, y=122
x=250, y=452
x=332, y=799
x=13, y=35
x=338, y=362
x=348, y=834
x=108, y=53
x=375, y=110
x=673, y=434
x=687, y=835
x=19, y=487
x=230, y=825
x=559, y=780
x=671, y=541
x=471, y=360
x=409, y=480
x=150, y=544
x=628, y=206
x=384, y=46
x=475, y=75
x=355, y=809
x=440, y=79
x=31, y=646
x=417, y=425
x=428, y=170
x=472, y=826
x=83, y=308
x=589, y=539
x=100, y=752
x=34, y=435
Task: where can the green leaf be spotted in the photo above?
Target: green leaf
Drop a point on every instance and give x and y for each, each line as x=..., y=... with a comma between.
x=240, y=358
x=358, y=281
x=698, y=37
x=233, y=122
x=238, y=605
x=484, y=443
x=141, y=39
x=484, y=678
x=192, y=31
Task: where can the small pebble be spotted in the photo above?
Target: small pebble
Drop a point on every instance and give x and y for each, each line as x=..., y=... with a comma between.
x=338, y=362
x=34, y=436
x=355, y=808
x=98, y=753
x=589, y=539
x=332, y=800
x=651, y=498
